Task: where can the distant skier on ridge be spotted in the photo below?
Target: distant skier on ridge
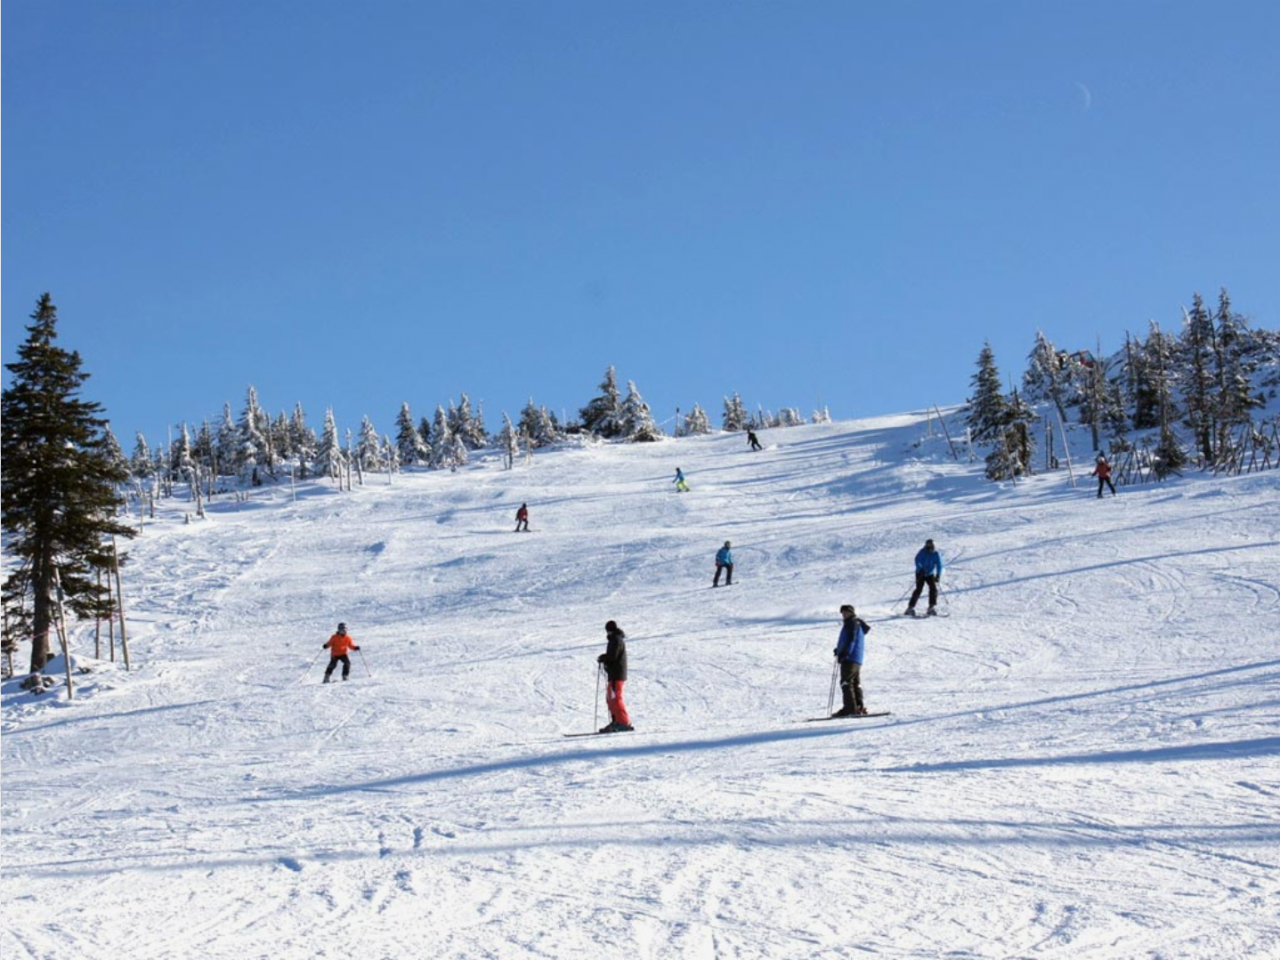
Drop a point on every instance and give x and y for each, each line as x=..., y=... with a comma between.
x=338, y=645
x=928, y=570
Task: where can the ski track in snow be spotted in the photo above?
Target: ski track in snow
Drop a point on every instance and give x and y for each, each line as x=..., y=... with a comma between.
x=1082, y=761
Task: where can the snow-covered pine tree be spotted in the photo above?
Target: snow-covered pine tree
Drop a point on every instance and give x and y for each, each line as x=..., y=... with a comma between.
x=390, y=456
x=467, y=425
x=822, y=415
x=305, y=445
x=1045, y=379
x=228, y=444
x=1140, y=388
x=182, y=464
x=988, y=411
x=1195, y=356
x=282, y=438
x=254, y=458
x=409, y=446
x=1236, y=400
x=635, y=419
x=424, y=431
x=601, y=416
x=735, y=414
x=509, y=441
x=459, y=456
x=696, y=423
x=330, y=460
x=369, y=446
x=790, y=417
x=441, y=441
x=205, y=449
x=536, y=424
x=141, y=463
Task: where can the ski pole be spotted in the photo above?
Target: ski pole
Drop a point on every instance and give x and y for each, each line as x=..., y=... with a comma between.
x=309, y=666
x=599, y=670
x=365, y=662
x=835, y=676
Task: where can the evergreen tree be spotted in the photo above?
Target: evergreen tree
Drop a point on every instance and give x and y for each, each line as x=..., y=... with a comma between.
x=1235, y=400
x=601, y=416
x=282, y=438
x=988, y=411
x=1195, y=355
x=140, y=463
x=59, y=492
x=441, y=441
x=410, y=449
x=635, y=420
x=330, y=460
x=1142, y=393
x=182, y=461
x=369, y=446
x=228, y=444
x=466, y=425
x=115, y=453
x=424, y=431
x=790, y=417
x=538, y=424
x=821, y=416
x=509, y=441
x=253, y=442
x=303, y=440
x=1046, y=377
x=205, y=449
x=696, y=423
x=735, y=414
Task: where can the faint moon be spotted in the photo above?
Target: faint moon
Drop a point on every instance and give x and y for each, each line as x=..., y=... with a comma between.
x=1086, y=95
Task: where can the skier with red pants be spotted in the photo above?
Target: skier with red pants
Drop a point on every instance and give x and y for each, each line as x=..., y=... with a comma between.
x=614, y=661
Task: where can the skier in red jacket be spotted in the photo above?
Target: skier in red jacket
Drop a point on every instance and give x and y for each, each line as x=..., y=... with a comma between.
x=338, y=645
x=1102, y=470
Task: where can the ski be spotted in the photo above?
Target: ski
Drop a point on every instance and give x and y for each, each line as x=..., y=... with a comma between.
x=596, y=733
x=852, y=716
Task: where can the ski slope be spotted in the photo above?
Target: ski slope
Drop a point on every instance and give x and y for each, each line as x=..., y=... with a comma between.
x=1083, y=757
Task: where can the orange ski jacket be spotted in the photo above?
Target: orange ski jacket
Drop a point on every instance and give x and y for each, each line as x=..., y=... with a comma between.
x=339, y=644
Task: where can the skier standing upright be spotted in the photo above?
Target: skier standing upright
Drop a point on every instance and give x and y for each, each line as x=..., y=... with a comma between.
x=1102, y=470
x=753, y=441
x=850, y=651
x=724, y=561
x=338, y=645
x=681, y=486
x=614, y=661
x=522, y=518
x=928, y=570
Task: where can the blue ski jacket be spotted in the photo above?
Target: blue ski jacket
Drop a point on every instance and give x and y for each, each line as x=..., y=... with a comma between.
x=852, y=645
x=929, y=562
x=724, y=556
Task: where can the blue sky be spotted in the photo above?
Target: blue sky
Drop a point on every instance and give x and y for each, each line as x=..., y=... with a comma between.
x=354, y=205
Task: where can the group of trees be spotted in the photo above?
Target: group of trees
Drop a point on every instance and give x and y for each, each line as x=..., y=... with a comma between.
x=1201, y=381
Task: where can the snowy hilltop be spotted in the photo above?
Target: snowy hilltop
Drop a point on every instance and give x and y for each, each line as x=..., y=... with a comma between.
x=1081, y=757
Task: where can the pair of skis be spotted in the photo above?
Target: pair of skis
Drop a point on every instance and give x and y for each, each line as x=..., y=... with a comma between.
x=857, y=716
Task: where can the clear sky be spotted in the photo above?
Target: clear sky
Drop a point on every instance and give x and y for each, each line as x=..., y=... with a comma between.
x=358, y=204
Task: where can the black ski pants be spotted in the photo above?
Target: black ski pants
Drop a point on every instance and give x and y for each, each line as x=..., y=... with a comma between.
x=851, y=685
x=921, y=580
x=334, y=661
x=1107, y=481
x=728, y=574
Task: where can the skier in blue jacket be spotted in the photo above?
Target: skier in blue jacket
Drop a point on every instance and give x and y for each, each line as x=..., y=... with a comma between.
x=850, y=650
x=928, y=570
x=724, y=561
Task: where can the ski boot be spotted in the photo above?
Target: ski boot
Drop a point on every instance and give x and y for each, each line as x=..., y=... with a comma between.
x=932, y=612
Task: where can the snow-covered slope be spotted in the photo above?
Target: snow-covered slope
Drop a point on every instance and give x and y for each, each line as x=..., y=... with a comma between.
x=1083, y=758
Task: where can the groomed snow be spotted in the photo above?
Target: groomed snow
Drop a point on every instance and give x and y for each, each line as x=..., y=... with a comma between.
x=1083, y=759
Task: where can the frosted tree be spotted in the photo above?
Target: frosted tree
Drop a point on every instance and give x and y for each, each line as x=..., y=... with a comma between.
x=735, y=414
x=228, y=443
x=601, y=416
x=330, y=460
x=696, y=423
x=182, y=464
x=987, y=407
x=305, y=446
x=466, y=424
x=390, y=455
x=252, y=440
x=635, y=420
x=369, y=446
x=282, y=438
x=1234, y=367
x=424, y=431
x=1195, y=353
x=410, y=447
x=538, y=425
x=509, y=441
x=459, y=456
x=206, y=449
x=141, y=464
x=1046, y=378
x=821, y=416
x=790, y=417
x=441, y=441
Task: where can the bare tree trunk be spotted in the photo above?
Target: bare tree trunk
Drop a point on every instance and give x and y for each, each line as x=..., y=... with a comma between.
x=62, y=635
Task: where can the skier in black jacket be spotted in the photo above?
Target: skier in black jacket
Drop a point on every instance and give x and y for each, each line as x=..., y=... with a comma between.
x=614, y=661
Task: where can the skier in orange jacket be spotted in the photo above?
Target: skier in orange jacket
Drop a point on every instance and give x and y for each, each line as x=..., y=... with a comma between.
x=338, y=645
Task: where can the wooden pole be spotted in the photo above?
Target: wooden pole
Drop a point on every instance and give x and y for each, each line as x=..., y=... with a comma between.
x=97, y=625
x=124, y=633
x=946, y=433
x=1066, y=450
